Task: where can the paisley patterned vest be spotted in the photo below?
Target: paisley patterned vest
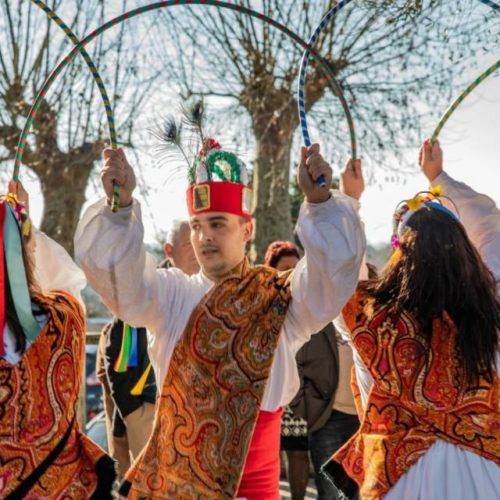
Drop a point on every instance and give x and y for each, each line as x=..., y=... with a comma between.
x=213, y=390
x=418, y=396
x=43, y=453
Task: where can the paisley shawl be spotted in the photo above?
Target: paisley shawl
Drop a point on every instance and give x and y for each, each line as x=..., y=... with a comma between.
x=38, y=399
x=213, y=389
x=418, y=396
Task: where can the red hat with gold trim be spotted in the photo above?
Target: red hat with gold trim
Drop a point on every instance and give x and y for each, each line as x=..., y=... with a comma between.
x=218, y=179
x=218, y=183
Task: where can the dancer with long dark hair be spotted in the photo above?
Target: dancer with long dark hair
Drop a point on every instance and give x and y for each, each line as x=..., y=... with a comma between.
x=426, y=339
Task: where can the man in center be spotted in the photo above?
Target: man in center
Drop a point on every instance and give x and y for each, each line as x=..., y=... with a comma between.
x=224, y=340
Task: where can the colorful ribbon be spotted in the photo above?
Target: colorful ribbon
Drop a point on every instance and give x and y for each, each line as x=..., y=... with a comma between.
x=2, y=281
x=128, y=356
x=17, y=275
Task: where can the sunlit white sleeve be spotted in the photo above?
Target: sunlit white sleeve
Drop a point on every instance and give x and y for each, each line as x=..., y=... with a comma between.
x=480, y=217
x=109, y=247
x=54, y=268
x=324, y=279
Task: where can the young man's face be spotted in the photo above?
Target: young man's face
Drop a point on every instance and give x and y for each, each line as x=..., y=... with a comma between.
x=219, y=241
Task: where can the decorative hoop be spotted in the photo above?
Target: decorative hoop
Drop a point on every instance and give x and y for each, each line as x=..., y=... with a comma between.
x=461, y=97
x=303, y=75
x=325, y=66
x=115, y=201
x=469, y=89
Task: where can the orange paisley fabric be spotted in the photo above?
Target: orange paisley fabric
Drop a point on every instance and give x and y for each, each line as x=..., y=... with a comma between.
x=213, y=389
x=418, y=397
x=38, y=398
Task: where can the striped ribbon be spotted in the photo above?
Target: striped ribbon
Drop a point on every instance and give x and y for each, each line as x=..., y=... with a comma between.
x=122, y=361
x=3, y=282
x=337, y=89
x=461, y=97
x=325, y=67
x=115, y=202
x=17, y=275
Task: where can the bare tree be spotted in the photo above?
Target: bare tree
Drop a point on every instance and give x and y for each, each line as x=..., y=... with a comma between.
x=69, y=132
x=395, y=61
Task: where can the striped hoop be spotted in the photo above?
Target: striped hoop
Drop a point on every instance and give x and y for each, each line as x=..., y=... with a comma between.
x=115, y=201
x=461, y=97
x=325, y=67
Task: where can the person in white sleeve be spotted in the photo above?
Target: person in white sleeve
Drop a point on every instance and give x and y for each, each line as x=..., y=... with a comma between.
x=425, y=334
x=224, y=340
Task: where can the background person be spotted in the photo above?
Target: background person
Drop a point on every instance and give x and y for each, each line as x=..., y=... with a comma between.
x=426, y=334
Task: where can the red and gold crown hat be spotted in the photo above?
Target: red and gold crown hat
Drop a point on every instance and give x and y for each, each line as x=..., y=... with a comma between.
x=218, y=183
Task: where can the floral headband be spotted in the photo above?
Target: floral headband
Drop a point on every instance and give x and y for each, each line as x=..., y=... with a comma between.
x=19, y=211
x=406, y=208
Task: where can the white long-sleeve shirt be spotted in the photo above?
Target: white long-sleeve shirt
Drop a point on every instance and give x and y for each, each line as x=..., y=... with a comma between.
x=110, y=250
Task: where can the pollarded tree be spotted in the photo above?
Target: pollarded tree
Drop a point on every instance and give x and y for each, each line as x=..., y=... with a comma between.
x=69, y=133
x=395, y=61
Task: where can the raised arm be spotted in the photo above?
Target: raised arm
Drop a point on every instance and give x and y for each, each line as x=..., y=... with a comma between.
x=478, y=213
x=109, y=247
x=331, y=231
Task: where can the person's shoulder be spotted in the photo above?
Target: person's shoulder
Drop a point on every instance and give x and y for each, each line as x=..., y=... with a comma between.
x=62, y=303
x=356, y=307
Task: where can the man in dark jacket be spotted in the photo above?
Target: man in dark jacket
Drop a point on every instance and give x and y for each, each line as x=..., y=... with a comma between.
x=325, y=401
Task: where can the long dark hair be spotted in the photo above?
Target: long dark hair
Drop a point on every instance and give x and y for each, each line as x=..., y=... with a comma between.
x=11, y=317
x=438, y=270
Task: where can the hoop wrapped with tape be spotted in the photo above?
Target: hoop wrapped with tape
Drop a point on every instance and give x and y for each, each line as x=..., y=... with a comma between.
x=218, y=183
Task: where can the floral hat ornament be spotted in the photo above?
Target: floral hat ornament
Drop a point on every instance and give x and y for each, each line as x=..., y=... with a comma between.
x=218, y=179
x=406, y=208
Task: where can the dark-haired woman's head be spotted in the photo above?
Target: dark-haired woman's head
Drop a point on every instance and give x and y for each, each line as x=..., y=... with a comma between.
x=436, y=269
x=282, y=255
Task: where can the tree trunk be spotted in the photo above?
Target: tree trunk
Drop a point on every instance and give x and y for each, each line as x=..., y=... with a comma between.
x=63, y=191
x=271, y=182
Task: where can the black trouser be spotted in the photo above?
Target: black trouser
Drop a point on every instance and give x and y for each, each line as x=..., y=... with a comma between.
x=322, y=444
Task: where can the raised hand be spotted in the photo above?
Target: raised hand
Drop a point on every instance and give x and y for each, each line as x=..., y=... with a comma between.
x=116, y=167
x=311, y=167
x=352, y=182
x=430, y=159
x=22, y=195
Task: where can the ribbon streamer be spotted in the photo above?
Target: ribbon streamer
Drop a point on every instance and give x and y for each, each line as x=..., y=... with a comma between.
x=17, y=275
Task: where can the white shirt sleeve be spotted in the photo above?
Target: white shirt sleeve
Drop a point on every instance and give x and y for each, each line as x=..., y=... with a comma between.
x=109, y=247
x=54, y=270
x=325, y=278
x=480, y=217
